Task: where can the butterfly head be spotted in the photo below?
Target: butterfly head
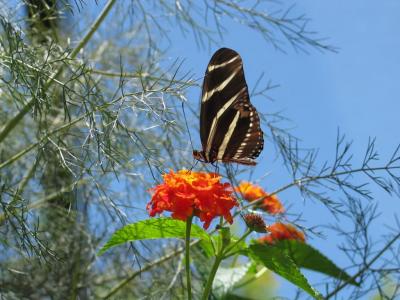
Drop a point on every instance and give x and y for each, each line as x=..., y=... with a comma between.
x=200, y=155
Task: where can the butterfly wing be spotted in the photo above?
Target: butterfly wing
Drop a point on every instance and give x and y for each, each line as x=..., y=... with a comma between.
x=229, y=124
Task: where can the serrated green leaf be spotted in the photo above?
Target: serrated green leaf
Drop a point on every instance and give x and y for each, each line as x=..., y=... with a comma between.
x=279, y=262
x=305, y=256
x=157, y=228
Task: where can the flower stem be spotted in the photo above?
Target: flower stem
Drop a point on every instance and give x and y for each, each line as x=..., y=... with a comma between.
x=210, y=279
x=219, y=257
x=187, y=257
x=245, y=235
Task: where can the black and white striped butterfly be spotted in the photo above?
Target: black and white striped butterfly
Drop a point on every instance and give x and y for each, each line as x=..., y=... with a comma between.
x=229, y=124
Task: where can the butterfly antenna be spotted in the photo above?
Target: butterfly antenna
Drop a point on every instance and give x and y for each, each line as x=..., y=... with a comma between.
x=193, y=165
x=186, y=123
x=190, y=137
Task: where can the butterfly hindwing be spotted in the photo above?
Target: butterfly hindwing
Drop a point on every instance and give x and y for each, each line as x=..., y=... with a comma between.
x=248, y=142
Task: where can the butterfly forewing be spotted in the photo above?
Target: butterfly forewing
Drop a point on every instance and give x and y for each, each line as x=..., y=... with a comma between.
x=229, y=125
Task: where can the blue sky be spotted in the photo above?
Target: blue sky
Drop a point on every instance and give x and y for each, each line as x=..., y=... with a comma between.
x=355, y=90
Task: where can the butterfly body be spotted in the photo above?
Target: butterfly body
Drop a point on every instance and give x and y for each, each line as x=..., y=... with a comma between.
x=229, y=124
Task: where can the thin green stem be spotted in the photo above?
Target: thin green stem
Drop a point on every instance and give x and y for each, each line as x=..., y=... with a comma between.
x=187, y=257
x=210, y=280
x=93, y=28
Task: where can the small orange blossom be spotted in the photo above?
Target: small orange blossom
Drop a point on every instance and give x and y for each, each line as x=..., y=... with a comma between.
x=252, y=192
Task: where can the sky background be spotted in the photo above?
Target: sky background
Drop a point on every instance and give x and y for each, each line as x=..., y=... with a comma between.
x=355, y=91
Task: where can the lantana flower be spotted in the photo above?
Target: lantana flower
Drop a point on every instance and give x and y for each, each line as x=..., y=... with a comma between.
x=252, y=192
x=281, y=231
x=187, y=193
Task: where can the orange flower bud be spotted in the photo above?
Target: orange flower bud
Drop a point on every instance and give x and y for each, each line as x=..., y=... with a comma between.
x=255, y=222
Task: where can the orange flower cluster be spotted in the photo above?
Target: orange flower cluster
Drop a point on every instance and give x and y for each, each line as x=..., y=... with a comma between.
x=280, y=231
x=187, y=193
x=252, y=192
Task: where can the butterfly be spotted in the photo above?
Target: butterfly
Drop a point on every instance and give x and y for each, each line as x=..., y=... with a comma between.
x=229, y=124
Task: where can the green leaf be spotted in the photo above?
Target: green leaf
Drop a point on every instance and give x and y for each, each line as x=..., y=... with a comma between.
x=310, y=258
x=157, y=228
x=279, y=262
